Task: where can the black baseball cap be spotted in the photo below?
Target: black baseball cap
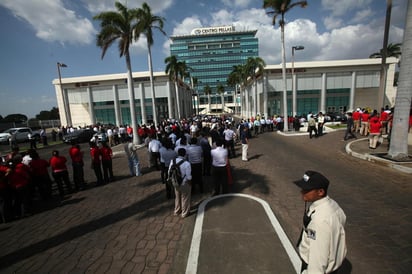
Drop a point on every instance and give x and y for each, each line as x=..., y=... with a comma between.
x=312, y=180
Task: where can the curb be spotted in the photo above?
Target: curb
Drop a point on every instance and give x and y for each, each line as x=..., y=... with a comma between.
x=375, y=159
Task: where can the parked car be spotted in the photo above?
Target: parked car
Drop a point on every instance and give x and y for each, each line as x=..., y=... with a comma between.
x=78, y=136
x=337, y=117
x=22, y=134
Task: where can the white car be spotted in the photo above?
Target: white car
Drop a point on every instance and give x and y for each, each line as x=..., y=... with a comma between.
x=21, y=134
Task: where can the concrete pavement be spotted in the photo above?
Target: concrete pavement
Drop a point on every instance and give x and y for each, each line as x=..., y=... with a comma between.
x=128, y=227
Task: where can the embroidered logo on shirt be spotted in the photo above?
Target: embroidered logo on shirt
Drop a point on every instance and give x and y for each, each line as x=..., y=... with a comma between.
x=311, y=234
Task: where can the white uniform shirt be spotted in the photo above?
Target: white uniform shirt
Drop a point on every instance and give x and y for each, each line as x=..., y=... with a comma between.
x=185, y=169
x=321, y=119
x=229, y=134
x=154, y=145
x=194, y=154
x=219, y=156
x=166, y=155
x=323, y=245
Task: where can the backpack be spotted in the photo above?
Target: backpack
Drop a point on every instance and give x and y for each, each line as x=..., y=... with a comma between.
x=175, y=175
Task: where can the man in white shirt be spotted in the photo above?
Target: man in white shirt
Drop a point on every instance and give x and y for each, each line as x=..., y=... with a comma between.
x=183, y=192
x=194, y=155
x=321, y=123
x=322, y=244
x=219, y=171
x=193, y=129
x=167, y=154
x=154, y=147
x=110, y=136
x=230, y=135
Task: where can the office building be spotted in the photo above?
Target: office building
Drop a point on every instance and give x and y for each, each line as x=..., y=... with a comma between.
x=210, y=54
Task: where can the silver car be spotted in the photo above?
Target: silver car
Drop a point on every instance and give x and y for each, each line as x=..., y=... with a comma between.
x=21, y=134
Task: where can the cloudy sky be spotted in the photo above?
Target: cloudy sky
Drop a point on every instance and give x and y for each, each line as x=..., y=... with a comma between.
x=36, y=34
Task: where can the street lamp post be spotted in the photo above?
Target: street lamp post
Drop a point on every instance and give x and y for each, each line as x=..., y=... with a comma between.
x=294, y=79
x=61, y=65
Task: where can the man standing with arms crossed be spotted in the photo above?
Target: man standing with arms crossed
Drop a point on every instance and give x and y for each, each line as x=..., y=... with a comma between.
x=322, y=244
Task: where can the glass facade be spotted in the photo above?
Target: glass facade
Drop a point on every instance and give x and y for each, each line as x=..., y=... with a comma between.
x=211, y=57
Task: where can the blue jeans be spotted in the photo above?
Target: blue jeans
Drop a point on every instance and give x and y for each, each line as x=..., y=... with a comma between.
x=134, y=167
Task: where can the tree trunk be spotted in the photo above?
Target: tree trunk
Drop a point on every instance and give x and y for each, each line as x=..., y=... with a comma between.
x=177, y=98
x=399, y=135
x=384, y=54
x=285, y=93
x=255, y=105
x=208, y=101
x=130, y=88
x=152, y=85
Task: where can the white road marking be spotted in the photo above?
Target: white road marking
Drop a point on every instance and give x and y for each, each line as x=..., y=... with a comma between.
x=192, y=262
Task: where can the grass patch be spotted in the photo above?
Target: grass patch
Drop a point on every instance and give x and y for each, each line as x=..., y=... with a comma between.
x=335, y=125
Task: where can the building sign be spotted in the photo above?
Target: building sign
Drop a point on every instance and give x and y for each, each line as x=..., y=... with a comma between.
x=213, y=30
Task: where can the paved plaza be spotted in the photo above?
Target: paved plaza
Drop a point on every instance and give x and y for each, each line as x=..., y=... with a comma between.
x=128, y=226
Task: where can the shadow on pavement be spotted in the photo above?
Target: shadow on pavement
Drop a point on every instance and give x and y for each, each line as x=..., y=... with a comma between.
x=146, y=206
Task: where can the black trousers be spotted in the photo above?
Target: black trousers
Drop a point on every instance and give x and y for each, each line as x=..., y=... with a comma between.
x=107, y=170
x=197, y=176
x=220, y=179
x=78, y=174
x=305, y=266
x=59, y=178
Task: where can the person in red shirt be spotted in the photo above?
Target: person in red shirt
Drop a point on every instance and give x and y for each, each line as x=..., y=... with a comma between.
x=356, y=119
x=76, y=156
x=107, y=155
x=96, y=155
x=383, y=118
x=59, y=172
x=40, y=175
x=364, y=123
x=374, y=130
x=129, y=131
x=5, y=193
x=19, y=180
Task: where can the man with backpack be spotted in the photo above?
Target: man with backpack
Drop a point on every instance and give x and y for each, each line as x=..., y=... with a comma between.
x=180, y=175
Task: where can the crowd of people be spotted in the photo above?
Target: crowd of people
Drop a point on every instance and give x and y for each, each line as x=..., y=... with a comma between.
x=373, y=124
x=25, y=176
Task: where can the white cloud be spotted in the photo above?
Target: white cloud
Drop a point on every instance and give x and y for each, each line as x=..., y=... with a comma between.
x=183, y=28
x=362, y=15
x=339, y=8
x=332, y=22
x=222, y=17
x=156, y=6
x=236, y=3
x=52, y=22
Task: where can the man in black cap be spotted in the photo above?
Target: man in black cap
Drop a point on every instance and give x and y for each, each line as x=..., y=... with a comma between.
x=322, y=244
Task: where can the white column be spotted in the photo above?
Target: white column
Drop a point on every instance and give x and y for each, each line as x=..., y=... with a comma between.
x=91, y=108
x=169, y=101
x=265, y=94
x=352, y=92
x=323, y=94
x=294, y=95
x=117, y=112
x=67, y=107
x=142, y=103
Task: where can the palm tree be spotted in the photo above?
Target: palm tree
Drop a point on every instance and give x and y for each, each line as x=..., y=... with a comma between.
x=393, y=50
x=280, y=7
x=238, y=76
x=253, y=67
x=194, y=81
x=398, y=148
x=120, y=26
x=148, y=22
x=175, y=69
x=384, y=54
x=207, y=90
x=221, y=90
